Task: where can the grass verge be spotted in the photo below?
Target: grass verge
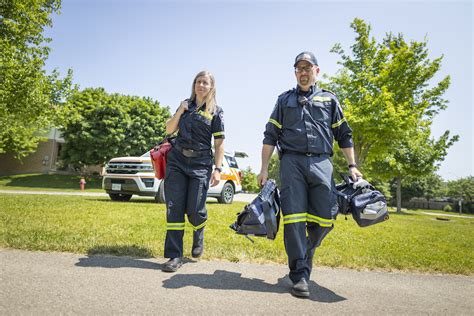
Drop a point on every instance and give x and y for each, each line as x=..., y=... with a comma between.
x=49, y=182
x=412, y=242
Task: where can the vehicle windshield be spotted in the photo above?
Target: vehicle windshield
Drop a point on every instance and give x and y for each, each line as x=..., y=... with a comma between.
x=232, y=162
x=147, y=154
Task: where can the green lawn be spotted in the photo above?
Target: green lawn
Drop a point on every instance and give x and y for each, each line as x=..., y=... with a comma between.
x=49, y=182
x=413, y=242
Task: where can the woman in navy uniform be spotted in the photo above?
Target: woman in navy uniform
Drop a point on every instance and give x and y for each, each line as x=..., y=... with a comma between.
x=189, y=167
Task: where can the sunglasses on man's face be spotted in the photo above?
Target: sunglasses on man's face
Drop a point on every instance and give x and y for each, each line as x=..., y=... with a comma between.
x=303, y=69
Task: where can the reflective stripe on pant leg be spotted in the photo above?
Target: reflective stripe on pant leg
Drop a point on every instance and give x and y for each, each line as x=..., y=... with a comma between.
x=198, y=186
x=294, y=218
x=294, y=205
x=175, y=193
x=322, y=201
x=319, y=220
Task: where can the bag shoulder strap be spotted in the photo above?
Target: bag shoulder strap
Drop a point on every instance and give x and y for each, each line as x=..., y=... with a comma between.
x=270, y=222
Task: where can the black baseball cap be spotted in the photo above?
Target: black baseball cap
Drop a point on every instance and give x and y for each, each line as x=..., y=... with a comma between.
x=308, y=56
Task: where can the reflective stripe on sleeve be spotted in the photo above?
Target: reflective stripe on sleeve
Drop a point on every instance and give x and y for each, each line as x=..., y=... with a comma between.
x=275, y=122
x=338, y=123
x=218, y=134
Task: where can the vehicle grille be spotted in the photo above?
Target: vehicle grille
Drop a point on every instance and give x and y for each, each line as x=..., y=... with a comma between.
x=128, y=167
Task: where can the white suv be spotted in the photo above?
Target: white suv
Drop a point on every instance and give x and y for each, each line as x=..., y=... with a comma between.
x=126, y=176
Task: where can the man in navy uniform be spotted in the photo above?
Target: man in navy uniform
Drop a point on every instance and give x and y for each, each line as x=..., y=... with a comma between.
x=304, y=122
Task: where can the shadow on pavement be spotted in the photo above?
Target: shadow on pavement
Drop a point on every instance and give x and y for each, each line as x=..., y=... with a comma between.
x=224, y=280
x=121, y=257
x=122, y=250
x=117, y=262
x=118, y=257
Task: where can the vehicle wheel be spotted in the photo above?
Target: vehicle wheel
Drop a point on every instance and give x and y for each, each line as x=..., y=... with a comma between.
x=160, y=195
x=227, y=194
x=120, y=197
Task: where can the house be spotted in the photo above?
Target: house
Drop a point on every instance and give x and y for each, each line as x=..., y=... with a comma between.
x=43, y=160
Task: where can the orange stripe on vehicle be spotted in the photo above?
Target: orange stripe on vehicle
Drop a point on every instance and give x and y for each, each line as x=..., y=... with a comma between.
x=236, y=175
x=226, y=177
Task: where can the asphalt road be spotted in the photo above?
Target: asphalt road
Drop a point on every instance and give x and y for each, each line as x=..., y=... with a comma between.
x=64, y=283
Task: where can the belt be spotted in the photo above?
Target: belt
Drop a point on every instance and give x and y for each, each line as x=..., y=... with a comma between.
x=191, y=153
x=302, y=154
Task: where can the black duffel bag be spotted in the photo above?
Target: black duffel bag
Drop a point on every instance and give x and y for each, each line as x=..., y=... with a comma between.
x=367, y=205
x=261, y=217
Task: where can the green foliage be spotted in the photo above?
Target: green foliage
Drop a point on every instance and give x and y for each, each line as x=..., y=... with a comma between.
x=462, y=189
x=30, y=99
x=101, y=126
x=249, y=181
x=412, y=241
x=274, y=169
x=428, y=187
x=447, y=208
x=390, y=104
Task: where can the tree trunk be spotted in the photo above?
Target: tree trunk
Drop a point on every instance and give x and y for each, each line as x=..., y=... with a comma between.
x=399, y=194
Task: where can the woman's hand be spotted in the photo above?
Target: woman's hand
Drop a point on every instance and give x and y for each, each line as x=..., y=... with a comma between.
x=215, y=178
x=183, y=107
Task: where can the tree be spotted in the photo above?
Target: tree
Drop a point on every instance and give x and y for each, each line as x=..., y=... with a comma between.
x=428, y=187
x=274, y=169
x=101, y=126
x=417, y=156
x=389, y=105
x=30, y=99
x=249, y=181
x=462, y=189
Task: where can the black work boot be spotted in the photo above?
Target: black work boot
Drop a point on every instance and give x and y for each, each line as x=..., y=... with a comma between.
x=300, y=289
x=172, y=265
x=198, y=243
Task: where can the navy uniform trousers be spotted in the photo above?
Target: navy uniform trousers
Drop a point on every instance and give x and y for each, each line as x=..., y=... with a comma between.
x=186, y=185
x=307, y=203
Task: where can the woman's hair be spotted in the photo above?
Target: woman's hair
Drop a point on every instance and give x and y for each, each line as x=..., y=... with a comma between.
x=210, y=99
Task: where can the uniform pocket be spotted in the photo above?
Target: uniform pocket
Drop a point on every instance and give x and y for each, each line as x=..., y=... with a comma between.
x=292, y=117
x=321, y=112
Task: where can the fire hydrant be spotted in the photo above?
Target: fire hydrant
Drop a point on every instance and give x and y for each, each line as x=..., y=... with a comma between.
x=82, y=184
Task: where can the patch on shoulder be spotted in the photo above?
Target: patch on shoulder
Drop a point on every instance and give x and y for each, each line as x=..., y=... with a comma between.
x=221, y=116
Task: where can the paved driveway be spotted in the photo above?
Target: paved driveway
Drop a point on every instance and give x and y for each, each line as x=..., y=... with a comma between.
x=63, y=283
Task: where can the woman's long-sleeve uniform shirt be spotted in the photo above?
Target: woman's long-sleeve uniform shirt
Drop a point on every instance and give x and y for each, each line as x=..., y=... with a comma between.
x=196, y=128
x=307, y=122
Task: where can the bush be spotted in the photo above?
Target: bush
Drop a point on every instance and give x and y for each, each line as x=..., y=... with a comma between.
x=447, y=208
x=249, y=181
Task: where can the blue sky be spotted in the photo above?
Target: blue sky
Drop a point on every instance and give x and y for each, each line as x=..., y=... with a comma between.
x=155, y=48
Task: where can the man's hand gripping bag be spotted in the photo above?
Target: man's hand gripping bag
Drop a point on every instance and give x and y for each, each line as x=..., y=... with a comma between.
x=367, y=205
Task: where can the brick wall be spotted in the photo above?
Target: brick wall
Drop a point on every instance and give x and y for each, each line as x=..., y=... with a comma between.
x=41, y=161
